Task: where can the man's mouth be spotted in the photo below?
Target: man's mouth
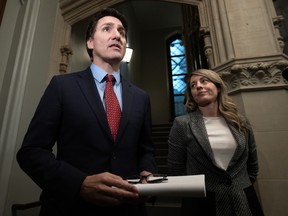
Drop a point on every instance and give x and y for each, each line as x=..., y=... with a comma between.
x=116, y=45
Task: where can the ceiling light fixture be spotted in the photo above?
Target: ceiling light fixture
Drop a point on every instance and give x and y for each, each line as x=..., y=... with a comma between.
x=128, y=55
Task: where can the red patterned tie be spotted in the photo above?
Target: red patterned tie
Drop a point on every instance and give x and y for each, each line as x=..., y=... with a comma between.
x=113, y=110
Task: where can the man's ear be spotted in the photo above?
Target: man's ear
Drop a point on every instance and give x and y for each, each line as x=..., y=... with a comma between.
x=89, y=43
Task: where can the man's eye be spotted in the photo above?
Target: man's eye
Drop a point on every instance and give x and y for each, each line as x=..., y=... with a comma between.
x=122, y=33
x=106, y=29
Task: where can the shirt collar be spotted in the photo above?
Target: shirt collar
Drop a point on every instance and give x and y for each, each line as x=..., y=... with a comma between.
x=99, y=74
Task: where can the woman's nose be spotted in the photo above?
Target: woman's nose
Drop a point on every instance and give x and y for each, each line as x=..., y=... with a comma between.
x=198, y=85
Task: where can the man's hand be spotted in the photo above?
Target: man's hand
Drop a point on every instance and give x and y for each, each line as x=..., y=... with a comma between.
x=106, y=189
x=145, y=174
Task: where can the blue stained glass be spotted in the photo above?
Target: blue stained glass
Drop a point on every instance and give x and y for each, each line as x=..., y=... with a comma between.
x=177, y=48
x=179, y=106
x=178, y=65
x=179, y=84
x=178, y=70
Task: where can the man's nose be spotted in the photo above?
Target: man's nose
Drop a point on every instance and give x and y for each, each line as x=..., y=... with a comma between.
x=117, y=34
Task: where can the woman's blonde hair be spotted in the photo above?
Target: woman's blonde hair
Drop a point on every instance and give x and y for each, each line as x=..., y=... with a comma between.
x=226, y=105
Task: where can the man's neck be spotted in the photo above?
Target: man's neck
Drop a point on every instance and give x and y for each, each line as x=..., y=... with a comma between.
x=108, y=67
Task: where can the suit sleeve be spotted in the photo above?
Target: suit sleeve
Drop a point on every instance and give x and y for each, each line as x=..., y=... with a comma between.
x=60, y=179
x=147, y=160
x=177, y=149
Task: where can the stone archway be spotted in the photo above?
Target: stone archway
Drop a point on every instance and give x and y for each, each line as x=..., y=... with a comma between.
x=73, y=11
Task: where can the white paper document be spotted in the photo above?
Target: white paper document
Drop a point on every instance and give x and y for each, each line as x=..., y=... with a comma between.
x=181, y=186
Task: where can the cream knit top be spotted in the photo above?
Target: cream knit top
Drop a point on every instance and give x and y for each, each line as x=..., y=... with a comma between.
x=221, y=140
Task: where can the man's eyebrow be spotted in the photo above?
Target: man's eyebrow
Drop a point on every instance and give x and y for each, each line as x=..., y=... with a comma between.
x=112, y=24
x=106, y=24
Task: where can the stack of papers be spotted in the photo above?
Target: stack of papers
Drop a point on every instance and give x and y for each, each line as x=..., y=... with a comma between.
x=181, y=186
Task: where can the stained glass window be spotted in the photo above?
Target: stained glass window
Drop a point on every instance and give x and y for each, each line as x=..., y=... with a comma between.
x=178, y=73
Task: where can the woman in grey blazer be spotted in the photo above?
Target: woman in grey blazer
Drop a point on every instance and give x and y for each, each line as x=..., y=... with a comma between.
x=215, y=140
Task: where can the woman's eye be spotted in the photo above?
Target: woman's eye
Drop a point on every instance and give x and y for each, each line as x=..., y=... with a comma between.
x=205, y=80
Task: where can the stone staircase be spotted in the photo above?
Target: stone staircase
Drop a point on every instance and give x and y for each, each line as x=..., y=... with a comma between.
x=160, y=135
x=168, y=206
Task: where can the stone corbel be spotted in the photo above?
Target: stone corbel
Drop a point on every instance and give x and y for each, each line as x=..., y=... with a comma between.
x=208, y=49
x=65, y=53
x=277, y=22
x=256, y=75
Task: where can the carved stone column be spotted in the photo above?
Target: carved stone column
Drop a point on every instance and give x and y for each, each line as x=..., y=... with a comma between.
x=208, y=48
x=65, y=53
x=277, y=22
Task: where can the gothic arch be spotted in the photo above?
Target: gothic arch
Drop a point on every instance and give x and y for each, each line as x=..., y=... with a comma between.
x=73, y=11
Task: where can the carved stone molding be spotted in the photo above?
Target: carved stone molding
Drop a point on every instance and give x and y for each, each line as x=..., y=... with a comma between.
x=277, y=22
x=208, y=48
x=77, y=10
x=2, y=9
x=22, y=2
x=255, y=75
x=65, y=53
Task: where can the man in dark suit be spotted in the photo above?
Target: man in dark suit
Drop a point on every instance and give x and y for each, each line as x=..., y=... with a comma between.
x=87, y=175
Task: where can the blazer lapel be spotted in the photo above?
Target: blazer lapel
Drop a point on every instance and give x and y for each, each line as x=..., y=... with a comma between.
x=241, y=145
x=89, y=89
x=199, y=131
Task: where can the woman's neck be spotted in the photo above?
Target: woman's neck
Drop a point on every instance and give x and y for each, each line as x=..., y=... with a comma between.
x=210, y=110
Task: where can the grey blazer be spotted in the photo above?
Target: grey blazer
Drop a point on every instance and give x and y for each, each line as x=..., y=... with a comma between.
x=229, y=192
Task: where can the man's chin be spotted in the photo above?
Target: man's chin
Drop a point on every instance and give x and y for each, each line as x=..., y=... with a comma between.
x=114, y=60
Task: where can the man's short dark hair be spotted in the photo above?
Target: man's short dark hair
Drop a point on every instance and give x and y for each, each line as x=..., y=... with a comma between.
x=97, y=16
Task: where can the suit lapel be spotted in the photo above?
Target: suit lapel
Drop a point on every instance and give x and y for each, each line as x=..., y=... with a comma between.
x=89, y=89
x=127, y=102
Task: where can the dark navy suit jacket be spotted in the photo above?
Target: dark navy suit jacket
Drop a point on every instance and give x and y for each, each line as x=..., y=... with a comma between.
x=71, y=114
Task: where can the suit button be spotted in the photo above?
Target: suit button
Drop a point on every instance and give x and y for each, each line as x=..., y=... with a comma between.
x=228, y=182
x=114, y=156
